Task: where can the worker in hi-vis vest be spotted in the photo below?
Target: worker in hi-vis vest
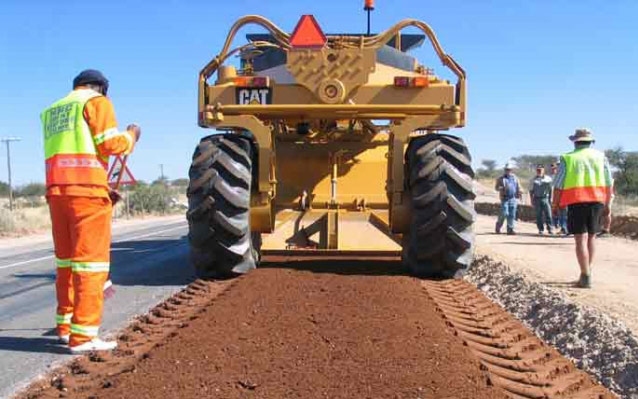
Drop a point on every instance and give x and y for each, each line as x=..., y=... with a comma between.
x=80, y=133
x=584, y=185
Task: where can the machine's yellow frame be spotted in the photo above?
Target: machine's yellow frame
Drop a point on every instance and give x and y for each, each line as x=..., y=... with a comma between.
x=340, y=81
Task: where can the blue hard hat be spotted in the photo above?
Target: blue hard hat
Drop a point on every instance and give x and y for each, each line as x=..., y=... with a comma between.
x=91, y=76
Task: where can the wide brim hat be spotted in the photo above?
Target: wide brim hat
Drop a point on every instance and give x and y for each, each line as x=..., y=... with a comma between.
x=582, y=136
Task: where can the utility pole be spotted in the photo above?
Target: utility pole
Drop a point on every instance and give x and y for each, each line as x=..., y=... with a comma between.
x=161, y=171
x=8, y=140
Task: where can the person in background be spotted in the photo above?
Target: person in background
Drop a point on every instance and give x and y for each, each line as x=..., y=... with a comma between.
x=540, y=194
x=509, y=191
x=584, y=185
x=560, y=214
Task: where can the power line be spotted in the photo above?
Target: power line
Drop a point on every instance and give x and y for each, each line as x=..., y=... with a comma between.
x=8, y=140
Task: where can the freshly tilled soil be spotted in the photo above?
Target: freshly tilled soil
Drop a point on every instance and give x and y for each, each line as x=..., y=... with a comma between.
x=324, y=329
x=517, y=360
x=336, y=329
x=84, y=374
x=594, y=341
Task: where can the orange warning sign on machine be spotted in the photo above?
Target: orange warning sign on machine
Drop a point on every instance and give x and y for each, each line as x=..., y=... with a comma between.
x=307, y=33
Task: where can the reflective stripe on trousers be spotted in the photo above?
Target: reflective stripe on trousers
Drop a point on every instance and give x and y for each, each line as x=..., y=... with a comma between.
x=82, y=238
x=90, y=267
x=87, y=331
x=63, y=318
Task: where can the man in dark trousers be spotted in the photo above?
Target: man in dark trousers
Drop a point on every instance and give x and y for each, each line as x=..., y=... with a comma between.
x=584, y=185
x=540, y=194
x=509, y=191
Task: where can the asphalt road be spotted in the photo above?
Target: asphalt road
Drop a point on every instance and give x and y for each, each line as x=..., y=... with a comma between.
x=149, y=263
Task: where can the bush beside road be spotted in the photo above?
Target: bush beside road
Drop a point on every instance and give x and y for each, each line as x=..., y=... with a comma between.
x=31, y=213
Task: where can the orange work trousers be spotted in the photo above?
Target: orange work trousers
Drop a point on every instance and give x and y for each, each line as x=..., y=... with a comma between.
x=82, y=240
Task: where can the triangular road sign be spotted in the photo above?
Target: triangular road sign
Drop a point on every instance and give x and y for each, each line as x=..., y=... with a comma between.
x=120, y=174
x=307, y=34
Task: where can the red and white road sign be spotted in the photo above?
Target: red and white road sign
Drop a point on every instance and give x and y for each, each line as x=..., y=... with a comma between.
x=119, y=173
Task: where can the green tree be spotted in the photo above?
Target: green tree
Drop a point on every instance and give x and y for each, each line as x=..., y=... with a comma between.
x=31, y=190
x=138, y=184
x=527, y=163
x=179, y=183
x=488, y=170
x=162, y=181
x=626, y=170
x=150, y=199
x=4, y=189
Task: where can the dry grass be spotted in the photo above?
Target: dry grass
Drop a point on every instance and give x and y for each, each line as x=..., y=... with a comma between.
x=24, y=221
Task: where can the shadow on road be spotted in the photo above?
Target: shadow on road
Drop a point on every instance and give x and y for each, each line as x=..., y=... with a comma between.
x=159, y=262
x=561, y=284
x=534, y=243
x=48, y=332
x=36, y=345
x=47, y=276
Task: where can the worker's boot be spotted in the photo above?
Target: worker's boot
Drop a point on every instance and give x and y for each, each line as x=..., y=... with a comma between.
x=95, y=344
x=584, y=281
x=64, y=339
x=604, y=234
x=511, y=232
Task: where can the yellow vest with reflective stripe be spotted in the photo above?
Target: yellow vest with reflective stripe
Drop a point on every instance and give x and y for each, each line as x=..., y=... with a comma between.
x=584, y=177
x=71, y=157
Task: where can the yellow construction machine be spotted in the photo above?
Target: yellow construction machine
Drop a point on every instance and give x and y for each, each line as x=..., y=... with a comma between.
x=330, y=144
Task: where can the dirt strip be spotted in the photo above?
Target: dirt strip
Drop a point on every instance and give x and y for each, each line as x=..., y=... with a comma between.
x=592, y=339
x=517, y=360
x=93, y=371
x=337, y=329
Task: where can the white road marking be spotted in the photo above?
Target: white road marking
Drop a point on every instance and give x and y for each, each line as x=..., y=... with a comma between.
x=152, y=234
x=123, y=240
x=25, y=262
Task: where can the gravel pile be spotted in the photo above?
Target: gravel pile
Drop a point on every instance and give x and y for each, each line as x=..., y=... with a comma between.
x=594, y=341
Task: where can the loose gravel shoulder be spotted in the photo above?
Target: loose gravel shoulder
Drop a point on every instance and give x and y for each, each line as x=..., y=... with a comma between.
x=595, y=341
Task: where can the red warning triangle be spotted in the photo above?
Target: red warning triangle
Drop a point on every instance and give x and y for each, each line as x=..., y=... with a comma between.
x=120, y=174
x=307, y=34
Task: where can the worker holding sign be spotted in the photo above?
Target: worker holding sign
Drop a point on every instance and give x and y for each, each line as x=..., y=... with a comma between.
x=80, y=133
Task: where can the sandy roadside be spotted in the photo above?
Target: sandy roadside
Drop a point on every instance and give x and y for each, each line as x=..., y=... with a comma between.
x=118, y=224
x=551, y=261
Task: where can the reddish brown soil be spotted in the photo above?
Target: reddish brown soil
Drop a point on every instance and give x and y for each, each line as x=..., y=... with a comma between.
x=517, y=360
x=351, y=331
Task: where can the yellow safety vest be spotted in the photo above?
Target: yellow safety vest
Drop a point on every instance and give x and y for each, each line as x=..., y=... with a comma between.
x=584, y=177
x=71, y=157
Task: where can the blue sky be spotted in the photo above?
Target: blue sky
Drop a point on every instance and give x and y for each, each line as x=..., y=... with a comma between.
x=536, y=69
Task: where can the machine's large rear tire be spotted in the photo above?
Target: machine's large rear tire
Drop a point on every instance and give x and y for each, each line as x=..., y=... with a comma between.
x=219, y=207
x=439, y=179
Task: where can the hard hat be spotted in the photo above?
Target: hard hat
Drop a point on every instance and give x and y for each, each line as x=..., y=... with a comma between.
x=91, y=76
x=509, y=165
x=582, y=136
